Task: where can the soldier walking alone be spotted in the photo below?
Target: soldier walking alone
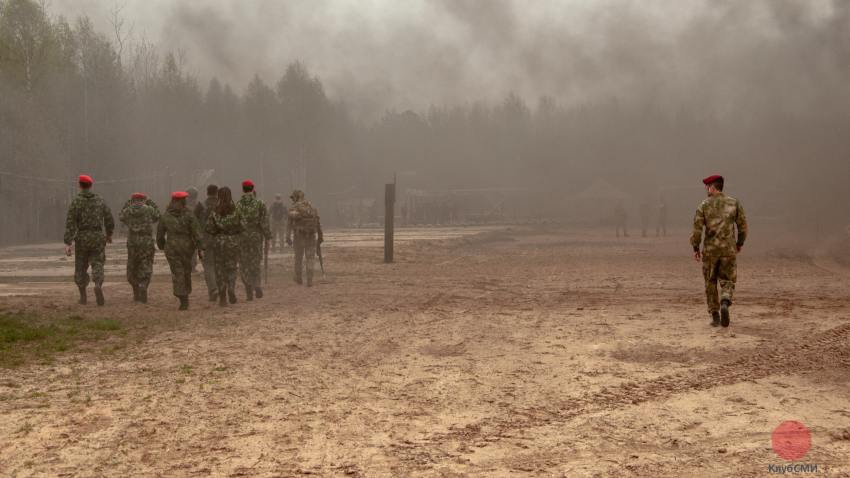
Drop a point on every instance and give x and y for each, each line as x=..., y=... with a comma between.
x=179, y=235
x=202, y=213
x=254, y=238
x=719, y=216
x=139, y=218
x=88, y=226
x=225, y=226
x=303, y=223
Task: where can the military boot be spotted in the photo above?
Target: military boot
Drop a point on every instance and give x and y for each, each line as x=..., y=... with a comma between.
x=231, y=295
x=715, y=318
x=184, y=302
x=222, y=298
x=83, y=296
x=98, y=295
x=135, y=293
x=143, y=294
x=258, y=292
x=724, y=312
x=249, y=292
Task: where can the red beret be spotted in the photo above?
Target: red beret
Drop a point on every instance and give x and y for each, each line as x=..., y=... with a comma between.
x=247, y=183
x=138, y=196
x=712, y=179
x=179, y=195
x=86, y=179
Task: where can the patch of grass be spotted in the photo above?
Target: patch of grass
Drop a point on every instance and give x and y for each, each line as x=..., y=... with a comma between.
x=27, y=337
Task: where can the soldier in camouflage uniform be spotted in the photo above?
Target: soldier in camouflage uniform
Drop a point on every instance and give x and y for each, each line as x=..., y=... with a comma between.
x=303, y=223
x=620, y=218
x=179, y=235
x=719, y=216
x=225, y=227
x=88, y=226
x=255, y=238
x=139, y=218
x=278, y=213
x=202, y=213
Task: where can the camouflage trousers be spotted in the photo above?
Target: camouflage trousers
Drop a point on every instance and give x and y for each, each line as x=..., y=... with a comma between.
x=277, y=233
x=140, y=252
x=250, y=258
x=226, y=260
x=89, y=251
x=304, y=244
x=209, y=265
x=722, y=272
x=181, y=272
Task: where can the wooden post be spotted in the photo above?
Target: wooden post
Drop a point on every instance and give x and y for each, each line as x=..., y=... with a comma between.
x=389, y=216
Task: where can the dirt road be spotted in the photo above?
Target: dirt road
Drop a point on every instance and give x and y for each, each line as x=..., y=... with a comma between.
x=520, y=352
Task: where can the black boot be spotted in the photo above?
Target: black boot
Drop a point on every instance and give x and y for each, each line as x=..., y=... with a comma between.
x=83, y=296
x=715, y=318
x=249, y=292
x=184, y=302
x=143, y=294
x=258, y=292
x=98, y=295
x=222, y=297
x=135, y=292
x=231, y=295
x=724, y=312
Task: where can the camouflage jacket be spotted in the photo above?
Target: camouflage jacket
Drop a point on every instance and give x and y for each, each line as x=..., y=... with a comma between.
x=278, y=211
x=204, y=209
x=255, y=215
x=178, y=232
x=303, y=217
x=719, y=216
x=88, y=218
x=139, y=218
x=225, y=229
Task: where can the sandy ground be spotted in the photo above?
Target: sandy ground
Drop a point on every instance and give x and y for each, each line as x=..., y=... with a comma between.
x=521, y=352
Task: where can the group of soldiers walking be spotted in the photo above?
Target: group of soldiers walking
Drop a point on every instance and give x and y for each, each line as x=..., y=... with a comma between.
x=226, y=237
x=229, y=237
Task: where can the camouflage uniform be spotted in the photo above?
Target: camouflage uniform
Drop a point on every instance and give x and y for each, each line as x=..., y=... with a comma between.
x=88, y=218
x=257, y=231
x=202, y=213
x=179, y=234
x=620, y=217
x=278, y=223
x=225, y=232
x=139, y=218
x=719, y=215
x=303, y=222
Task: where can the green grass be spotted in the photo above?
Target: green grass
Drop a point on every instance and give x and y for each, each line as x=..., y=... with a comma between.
x=26, y=337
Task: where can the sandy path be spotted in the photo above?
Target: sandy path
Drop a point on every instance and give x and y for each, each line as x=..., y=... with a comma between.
x=539, y=353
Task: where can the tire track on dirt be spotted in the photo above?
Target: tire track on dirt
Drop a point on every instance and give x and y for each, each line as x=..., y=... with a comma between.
x=830, y=348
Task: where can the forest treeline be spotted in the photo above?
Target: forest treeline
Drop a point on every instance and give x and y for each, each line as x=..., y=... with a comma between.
x=130, y=113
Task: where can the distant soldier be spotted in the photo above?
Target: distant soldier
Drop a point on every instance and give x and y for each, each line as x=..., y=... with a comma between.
x=719, y=216
x=303, y=223
x=88, y=226
x=620, y=217
x=179, y=235
x=139, y=218
x=225, y=226
x=191, y=202
x=202, y=213
x=644, y=217
x=255, y=237
x=278, y=221
x=661, y=225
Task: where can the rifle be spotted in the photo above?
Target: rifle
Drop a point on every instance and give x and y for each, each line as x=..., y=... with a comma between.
x=266, y=263
x=321, y=260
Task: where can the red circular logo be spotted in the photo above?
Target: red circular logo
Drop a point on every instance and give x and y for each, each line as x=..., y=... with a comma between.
x=791, y=440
